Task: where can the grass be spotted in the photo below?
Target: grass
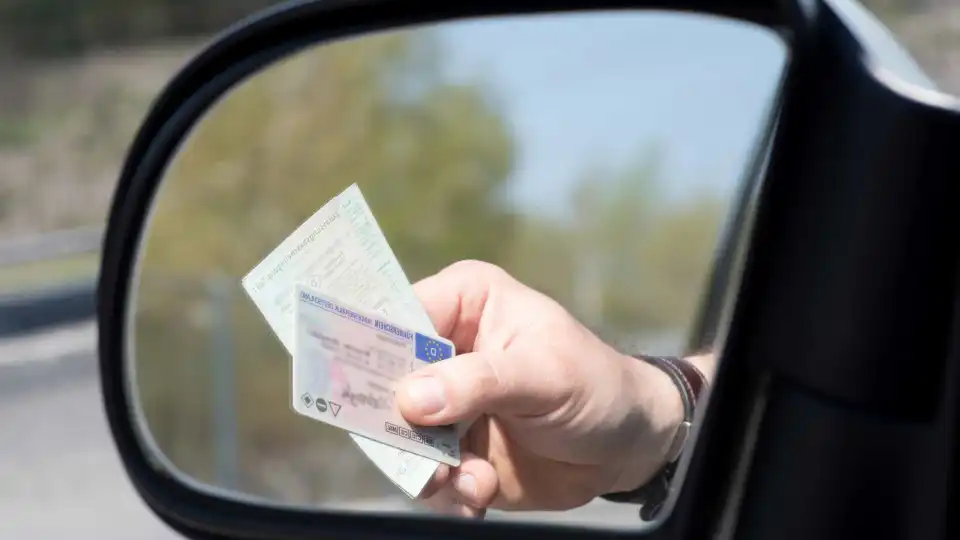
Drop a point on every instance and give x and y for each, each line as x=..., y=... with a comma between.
x=46, y=273
x=14, y=133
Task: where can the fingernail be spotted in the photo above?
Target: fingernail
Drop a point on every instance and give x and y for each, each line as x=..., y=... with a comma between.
x=426, y=393
x=466, y=484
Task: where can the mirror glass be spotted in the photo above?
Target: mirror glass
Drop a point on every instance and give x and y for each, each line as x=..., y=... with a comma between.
x=596, y=157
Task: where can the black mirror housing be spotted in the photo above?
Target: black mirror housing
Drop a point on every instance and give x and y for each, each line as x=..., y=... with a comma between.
x=838, y=382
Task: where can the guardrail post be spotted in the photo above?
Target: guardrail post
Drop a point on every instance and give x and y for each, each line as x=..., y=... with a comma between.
x=220, y=292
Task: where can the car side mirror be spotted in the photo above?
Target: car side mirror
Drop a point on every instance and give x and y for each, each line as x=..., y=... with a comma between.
x=805, y=263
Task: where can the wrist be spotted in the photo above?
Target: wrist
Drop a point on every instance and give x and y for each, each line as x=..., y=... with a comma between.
x=706, y=363
x=657, y=402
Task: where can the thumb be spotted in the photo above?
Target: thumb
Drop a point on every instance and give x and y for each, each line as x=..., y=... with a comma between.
x=464, y=387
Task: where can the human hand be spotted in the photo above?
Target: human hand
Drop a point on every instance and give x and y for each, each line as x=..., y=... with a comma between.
x=560, y=416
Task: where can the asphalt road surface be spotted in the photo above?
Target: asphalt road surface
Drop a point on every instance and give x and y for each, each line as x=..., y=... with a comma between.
x=60, y=476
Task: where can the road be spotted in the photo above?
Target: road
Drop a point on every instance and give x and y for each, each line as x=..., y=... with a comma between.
x=60, y=476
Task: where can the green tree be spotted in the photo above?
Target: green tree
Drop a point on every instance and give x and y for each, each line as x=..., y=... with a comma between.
x=627, y=261
x=677, y=255
x=43, y=28
x=614, y=210
x=430, y=156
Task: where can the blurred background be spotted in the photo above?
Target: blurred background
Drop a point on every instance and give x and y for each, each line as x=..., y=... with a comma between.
x=76, y=79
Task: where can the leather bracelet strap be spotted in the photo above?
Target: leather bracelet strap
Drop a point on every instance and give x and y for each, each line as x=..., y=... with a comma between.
x=691, y=382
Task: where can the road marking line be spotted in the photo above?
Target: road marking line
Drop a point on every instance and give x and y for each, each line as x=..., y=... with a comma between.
x=50, y=344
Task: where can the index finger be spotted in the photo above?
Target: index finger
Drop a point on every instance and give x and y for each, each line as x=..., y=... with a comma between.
x=454, y=299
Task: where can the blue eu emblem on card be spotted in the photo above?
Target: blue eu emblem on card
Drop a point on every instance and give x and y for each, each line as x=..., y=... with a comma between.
x=431, y=350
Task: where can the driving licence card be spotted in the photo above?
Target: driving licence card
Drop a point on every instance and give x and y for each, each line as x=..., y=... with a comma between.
x=341, y=251
x=345, y=363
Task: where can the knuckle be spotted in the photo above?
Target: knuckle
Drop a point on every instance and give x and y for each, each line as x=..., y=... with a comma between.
x=476, y=268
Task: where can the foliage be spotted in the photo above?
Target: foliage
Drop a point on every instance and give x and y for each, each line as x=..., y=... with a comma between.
x=430, y=157
x=628, y=261
x=71, y=27
x=896, y=8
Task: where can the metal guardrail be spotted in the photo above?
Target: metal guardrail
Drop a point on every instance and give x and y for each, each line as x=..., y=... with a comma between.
x=47, y=246
x=23, y=313
x=63, y=303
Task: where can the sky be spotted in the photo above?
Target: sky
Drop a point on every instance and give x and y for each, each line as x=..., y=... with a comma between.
x=586, y=89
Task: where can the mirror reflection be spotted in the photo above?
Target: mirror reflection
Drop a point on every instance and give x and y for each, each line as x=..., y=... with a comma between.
x=592, y=158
